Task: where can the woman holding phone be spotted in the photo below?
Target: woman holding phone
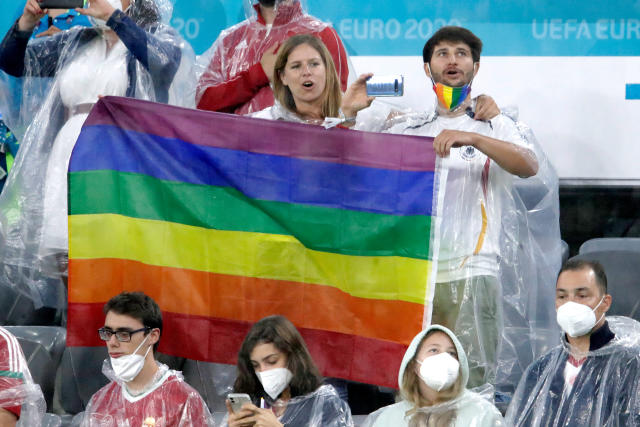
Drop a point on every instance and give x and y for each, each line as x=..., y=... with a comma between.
x=277, y=372
x=129, y=51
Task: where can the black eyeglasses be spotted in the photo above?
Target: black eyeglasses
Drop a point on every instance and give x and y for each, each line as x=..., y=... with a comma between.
x=122, y=336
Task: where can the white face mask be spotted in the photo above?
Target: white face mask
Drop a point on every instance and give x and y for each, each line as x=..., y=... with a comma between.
x=440, y=371
x=577, y=319
x=129, y=366
x=116, y=4
x=274, y=381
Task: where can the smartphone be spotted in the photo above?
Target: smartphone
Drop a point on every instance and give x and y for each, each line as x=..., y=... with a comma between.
x=237, y=400
x=61, y=4
x=386, y=85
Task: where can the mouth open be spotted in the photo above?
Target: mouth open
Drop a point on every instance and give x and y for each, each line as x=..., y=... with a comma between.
x=307, y=84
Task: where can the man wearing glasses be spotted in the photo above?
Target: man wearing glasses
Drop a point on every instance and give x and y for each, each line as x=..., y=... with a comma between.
x=142, y=391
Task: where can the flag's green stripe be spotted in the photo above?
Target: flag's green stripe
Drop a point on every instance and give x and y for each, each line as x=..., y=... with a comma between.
x=318, y=228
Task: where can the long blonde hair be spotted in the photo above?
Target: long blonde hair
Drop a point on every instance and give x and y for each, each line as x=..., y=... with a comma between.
x=410, y=390
x=332, y=95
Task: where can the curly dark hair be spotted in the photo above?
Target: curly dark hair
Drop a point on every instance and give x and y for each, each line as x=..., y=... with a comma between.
x=280, y=332
x=453, y=34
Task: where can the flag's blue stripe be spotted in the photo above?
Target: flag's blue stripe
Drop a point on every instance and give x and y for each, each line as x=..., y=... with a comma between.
x=259, y=176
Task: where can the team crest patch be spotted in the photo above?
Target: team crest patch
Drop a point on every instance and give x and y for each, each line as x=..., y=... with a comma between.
x=149, y=422
x=468, y=152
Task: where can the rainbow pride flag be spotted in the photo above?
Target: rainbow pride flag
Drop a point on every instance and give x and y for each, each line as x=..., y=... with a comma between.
x=225, y=219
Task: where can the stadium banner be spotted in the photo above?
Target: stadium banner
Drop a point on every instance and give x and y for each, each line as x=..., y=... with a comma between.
x=224, y=220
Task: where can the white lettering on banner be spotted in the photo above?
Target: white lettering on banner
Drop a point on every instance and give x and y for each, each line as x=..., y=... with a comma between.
x=391, y=29
x=189, y=28
x=602, y=29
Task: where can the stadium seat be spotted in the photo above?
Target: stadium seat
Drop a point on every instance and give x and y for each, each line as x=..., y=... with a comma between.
x=212, y=380
x=42, y=347
x=18, y=309
x=623, y=273
x=565, y=251
x=611, y=244
x=79, y=376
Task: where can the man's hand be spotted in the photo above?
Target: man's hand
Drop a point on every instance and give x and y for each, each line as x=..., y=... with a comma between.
x=268, y=61
x=448, y=139
x=31, y=15
x=486, y=108
x=100, y=9
x=356, y=98
x=49, y=32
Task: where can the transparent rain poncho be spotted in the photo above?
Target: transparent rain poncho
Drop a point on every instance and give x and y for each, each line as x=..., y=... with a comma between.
x=606, y=391
x=232, y=79
x=62, y=77
x=499, y=247
x=167, y=401
x=18, y=392
x=321, y=408
x=467, y=409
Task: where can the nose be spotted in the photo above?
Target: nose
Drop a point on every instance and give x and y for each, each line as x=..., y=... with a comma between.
x=113, y=341
x=306, y=69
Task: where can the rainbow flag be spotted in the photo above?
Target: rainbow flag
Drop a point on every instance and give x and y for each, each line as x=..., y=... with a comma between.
x=224, y=220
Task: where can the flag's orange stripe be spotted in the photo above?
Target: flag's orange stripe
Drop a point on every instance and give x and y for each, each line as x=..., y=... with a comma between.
x=245, y=298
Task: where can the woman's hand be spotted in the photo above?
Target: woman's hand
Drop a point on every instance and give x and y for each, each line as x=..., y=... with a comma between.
x=486, y=108
x=100, y=9
x=251, y=415
x=31, y=15
x=356, y=98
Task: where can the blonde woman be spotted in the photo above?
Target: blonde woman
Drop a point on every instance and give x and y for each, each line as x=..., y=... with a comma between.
x=307, y=88
x=432, y=380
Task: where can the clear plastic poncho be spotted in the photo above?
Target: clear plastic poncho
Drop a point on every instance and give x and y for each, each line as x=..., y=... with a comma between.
x=232, y=78
x=321, y=408
x=167, y=401
x=18, y=392
x=499, y=247
x=606, y=391
x=469, y=408
x=62, y=77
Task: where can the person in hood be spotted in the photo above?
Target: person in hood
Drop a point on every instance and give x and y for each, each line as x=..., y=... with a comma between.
x=432, y=381
x=593, y=377
x=128, y=51
x=276, y=370
x=142, y=391
x=240, y=64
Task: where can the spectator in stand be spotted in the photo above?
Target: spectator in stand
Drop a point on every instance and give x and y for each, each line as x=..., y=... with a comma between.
x=241, y=64
x=306, y=86
x=432, y=379
x=277, y=372
x=593, y=377
x=142, y=392
x=20, y=398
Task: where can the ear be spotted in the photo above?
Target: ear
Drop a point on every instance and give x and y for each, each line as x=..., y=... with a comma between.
x=427, y=71
x=154, y=336
x=283, y=78
x=476, y=67
x=606, y=302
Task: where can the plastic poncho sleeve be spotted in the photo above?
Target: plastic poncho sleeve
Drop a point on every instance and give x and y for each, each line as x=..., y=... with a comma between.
x=160, y=59
x=14, y=47
x=18, y=393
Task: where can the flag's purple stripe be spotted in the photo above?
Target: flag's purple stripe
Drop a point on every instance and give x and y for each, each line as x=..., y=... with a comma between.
x=258, y=176
x=267, y=137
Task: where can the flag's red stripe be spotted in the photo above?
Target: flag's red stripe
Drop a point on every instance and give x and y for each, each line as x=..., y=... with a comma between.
x=218, y=340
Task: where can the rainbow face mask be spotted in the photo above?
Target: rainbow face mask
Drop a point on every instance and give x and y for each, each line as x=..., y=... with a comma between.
x=450, y=97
